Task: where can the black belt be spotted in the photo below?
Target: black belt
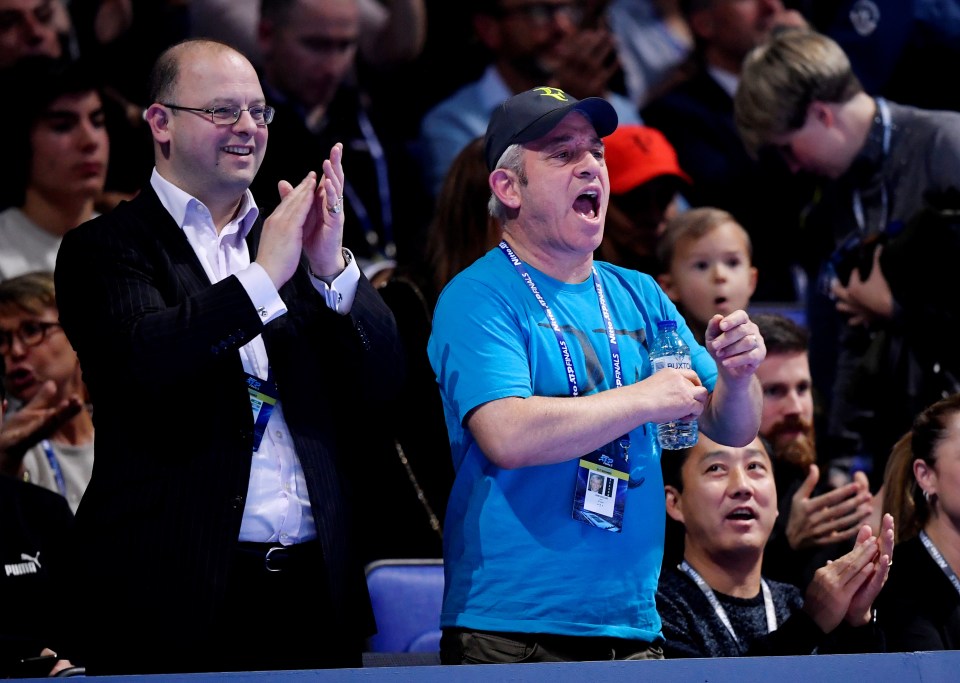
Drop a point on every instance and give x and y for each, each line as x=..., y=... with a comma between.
x=273, y=557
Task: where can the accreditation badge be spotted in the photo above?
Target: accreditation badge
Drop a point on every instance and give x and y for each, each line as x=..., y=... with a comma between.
x=600, y=494
x=263, y=399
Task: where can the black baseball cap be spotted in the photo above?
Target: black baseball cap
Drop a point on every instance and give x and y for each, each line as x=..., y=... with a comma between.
x=534, y=113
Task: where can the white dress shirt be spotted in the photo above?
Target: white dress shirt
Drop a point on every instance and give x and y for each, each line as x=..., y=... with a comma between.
x=277, y=506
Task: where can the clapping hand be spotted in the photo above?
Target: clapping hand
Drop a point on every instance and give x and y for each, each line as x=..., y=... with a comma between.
x=844, y=589
x=830, y=517
x=37, y=419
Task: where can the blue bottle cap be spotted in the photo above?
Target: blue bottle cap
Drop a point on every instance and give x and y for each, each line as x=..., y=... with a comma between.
x=666, y=324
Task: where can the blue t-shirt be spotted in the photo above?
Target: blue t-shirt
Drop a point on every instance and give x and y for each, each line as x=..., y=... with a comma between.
x=516, y=560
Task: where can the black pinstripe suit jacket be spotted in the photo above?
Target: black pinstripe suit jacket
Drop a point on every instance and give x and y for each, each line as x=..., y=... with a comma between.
x=158, y=346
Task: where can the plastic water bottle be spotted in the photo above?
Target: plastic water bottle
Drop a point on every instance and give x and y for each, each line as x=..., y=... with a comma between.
x=670, y=351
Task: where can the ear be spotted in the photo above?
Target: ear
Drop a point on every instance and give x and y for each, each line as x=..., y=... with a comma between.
x=158, y=118
x=504, y=184
x=674, y=503
x=752, y=286
x=666, y=284
x=925, y=476
x=822, y=114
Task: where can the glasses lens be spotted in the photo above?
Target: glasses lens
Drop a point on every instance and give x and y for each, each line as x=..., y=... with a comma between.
x=31, y=333
x=225, y=115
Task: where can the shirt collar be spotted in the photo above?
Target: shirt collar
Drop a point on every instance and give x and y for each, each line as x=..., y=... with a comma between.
x=178, y=203
x=728, y=82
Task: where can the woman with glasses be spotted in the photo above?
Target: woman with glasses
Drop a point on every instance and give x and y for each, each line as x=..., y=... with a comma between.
x=58, y=148
x=42, y=377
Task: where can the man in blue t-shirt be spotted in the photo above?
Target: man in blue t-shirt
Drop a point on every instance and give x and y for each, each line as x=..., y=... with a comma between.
x=541, y=357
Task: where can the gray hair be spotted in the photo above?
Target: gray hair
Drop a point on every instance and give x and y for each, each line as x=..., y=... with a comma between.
x=511, y=160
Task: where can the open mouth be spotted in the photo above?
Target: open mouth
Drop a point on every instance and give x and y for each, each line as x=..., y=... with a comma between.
x=19, y=378
x=742, y=514
x=588, y=204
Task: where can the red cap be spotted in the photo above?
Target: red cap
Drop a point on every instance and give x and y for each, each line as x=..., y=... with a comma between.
x=636, y=154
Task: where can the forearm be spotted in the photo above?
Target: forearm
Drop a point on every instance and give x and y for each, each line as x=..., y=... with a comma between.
x=538, y=430
x=732, y=414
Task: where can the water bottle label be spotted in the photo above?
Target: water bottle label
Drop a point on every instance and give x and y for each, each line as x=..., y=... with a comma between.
x=680, y=362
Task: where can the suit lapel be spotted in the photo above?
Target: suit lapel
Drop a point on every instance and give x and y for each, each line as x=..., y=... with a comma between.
x=183, y=260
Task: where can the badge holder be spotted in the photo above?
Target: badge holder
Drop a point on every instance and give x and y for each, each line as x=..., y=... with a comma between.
x=601, y=488
x=263, y=399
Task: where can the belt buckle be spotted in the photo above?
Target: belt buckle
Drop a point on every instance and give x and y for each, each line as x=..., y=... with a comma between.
x=266, y=559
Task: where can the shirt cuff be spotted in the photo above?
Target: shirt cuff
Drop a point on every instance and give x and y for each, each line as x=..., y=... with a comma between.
x=259, y=287
x=340, y=293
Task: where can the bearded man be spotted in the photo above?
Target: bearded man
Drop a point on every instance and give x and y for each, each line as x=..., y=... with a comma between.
x=818, y=521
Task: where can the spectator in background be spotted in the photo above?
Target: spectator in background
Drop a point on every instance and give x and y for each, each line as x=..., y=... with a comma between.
x=36, y=355
x=893, y=44
x=531, y=43
x=32, y=27
x=717, y=603
x=883, y=165
x=309, y=49
x=120, y=39
x=462, y=230
x=919, y=608
x=696, y=115
x=58, y=151
x=818, y=520
x=706, y=262
x=654, y=42
x=646, y=190
x=34, y=528
x=390, y=32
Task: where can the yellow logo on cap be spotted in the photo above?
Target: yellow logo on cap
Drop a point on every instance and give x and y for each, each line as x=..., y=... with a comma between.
x=556, y=93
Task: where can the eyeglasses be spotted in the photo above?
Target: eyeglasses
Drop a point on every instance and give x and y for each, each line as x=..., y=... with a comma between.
x=544, y=12
x=30, y=333
x=261, y=114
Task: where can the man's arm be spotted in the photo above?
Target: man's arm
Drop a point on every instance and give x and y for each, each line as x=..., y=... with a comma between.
x=537, y=430
x=732, y=414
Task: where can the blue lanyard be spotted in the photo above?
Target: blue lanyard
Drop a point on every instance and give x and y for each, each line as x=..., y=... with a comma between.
x=55, y=466
x=937, y=557
x=858, y=213
x=383, y=186
x=561, y=342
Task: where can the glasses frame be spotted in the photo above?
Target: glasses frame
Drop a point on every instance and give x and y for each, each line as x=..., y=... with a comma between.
x=6, y=338
x=268, y=113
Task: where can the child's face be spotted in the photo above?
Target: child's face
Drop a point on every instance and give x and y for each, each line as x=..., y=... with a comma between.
x=712, y=274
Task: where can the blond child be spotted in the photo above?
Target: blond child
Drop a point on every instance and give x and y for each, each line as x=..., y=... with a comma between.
x=706, y=265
